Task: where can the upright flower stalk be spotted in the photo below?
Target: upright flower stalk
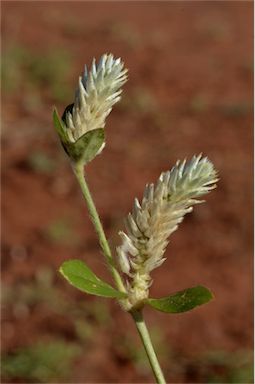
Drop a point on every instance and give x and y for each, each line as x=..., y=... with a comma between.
x=82, y=133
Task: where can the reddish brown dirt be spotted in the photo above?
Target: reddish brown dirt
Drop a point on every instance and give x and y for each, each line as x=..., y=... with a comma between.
x=181, y=53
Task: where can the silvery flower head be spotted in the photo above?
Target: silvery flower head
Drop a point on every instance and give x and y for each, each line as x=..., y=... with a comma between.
x=98, y=90
x=153, y=220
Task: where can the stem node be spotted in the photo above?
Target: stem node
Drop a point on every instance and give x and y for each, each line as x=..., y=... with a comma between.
x=135, y=313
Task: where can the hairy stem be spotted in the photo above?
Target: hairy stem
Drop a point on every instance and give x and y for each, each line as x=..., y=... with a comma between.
x=146, y=340
x=79, y=172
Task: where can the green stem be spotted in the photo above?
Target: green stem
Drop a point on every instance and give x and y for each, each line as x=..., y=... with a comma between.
x=146, y=340
x=79, y=172
x=137, y=315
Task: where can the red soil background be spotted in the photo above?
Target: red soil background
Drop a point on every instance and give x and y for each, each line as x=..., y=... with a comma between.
x=189, y=91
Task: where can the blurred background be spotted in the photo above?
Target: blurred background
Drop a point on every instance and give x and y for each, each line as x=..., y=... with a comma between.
x=189, y=91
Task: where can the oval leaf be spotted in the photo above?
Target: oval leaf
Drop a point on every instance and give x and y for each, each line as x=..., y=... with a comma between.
x=182, y=301
x=88, y=145
x=80, y=276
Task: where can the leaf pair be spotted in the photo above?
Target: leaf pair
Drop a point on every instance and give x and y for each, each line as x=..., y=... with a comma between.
x=86, y=147
x=80, y=276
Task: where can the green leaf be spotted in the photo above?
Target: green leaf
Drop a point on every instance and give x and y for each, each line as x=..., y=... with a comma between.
x=60, y=127
x=87, y=146
x=80, y=276
x=182, y=301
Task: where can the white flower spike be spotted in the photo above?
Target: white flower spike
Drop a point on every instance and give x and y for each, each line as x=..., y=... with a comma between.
x=81, y=129
x=151, y=223
x=98, y=90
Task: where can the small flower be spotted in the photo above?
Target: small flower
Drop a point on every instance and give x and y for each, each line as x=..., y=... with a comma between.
x=97, y=92
x=151, y=223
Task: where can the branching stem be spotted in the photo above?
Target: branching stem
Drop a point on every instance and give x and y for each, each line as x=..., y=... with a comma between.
x=137, y=315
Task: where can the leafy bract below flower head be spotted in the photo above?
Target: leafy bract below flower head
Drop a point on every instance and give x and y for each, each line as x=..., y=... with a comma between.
x=151, y=223
x=98, y=90
x=81, y=129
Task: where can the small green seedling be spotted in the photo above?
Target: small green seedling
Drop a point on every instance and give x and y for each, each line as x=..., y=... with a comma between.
x=61, y=231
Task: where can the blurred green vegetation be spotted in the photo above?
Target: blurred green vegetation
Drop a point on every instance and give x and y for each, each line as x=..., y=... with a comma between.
x=228, y=367
x=41, y=162
x=50, y=361
x=199, y=104
x=216, y=30
x=71, y=27
x=123, y=33
x=42, y=290
x=235, y=109
x=30, y=293
x=61, y=231
x=136, y=353
x=42, y=362
x=53, y=360
x=32, y=72
x=214, y=366
x=140, y=100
